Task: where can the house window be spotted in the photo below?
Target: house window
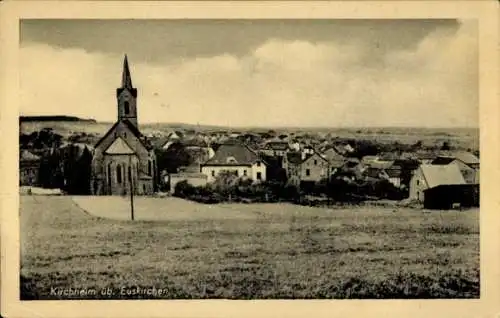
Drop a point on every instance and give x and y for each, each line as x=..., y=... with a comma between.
x=315, y=162
x=119, y=174
x=144, y=188
x=127, y=107
x=124, y=135
x=231, y=160
x=245, y=173
x=149, y=167
x=236, y=173
x=213, y=173
x=308, y=172
x=418, y=182
x=258, y=163
x=130, y=174
x=259, y=175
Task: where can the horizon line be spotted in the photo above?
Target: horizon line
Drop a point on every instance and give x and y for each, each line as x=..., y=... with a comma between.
x=257, y=126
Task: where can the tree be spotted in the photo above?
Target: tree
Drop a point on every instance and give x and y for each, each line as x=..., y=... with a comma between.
x=225, y=181
x=445, y=146
x=364, y=148
x=174, y=157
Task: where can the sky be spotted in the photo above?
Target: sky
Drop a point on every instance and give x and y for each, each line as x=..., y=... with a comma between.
x=296, y=73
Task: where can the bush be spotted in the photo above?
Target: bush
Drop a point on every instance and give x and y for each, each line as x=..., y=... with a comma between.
x=183, y=189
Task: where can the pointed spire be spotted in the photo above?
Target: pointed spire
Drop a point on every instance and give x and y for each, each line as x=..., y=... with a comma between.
x=126, y=78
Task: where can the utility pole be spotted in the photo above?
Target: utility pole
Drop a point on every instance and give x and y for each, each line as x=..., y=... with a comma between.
x=131, y=181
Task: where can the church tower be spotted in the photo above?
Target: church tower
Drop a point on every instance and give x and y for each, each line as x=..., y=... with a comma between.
x=126, y=96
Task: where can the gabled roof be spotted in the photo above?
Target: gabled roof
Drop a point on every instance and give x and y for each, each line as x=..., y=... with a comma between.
x=131, y=127
x=442, y=160
x=233, y=155
x=315, y=153
x=331, y=153
x=436, y=175
x=466, y=157
x=276, y=144
x=119, y=147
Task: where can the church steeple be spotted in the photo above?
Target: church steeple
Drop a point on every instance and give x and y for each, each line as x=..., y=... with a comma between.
x=127, y=96
x=126, y=78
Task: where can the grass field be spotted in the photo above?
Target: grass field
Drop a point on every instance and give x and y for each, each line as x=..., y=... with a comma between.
x=254, y=251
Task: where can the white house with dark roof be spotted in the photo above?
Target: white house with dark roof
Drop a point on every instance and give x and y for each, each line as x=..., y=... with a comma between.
x=237, y=158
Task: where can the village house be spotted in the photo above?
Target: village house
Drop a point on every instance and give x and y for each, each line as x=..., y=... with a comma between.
x=237, y=158
x=470, y=175
x=198, y=149
x=291, y=163
x=385, y=170
x=123, y=158
x=343, y=148
x=307, y=150
x=165, y=142
x=428, y=176
x=334, y=158
x=394, y=175
x=29, y=167
x=191, y=174
x=351, y=170
x=314, y=168
x=275, y=148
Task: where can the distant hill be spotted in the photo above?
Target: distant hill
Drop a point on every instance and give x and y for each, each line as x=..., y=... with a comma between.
x=25, y=119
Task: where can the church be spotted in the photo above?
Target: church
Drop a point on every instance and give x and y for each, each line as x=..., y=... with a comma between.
x=123, y=159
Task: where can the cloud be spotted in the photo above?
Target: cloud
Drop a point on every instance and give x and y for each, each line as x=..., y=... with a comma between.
x=285, y=82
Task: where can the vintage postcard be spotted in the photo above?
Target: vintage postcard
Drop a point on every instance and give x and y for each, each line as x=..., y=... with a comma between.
x=250, y=158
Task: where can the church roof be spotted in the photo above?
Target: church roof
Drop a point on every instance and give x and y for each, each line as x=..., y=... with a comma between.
x=131, y=127
x=119, y=147
x=126, y=80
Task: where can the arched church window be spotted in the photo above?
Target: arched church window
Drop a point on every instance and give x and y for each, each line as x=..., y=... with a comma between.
x=109, y=174
x=119, y=174
x=126, y=107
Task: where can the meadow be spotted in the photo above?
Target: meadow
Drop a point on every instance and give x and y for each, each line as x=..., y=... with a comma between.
x=245, y=251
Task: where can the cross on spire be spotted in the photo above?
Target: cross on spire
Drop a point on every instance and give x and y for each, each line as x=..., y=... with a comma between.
x=126, y=78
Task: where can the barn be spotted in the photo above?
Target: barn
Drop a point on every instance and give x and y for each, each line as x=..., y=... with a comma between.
x=446, y=196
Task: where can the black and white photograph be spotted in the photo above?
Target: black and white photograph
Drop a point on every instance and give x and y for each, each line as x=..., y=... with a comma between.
x=249, y=159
